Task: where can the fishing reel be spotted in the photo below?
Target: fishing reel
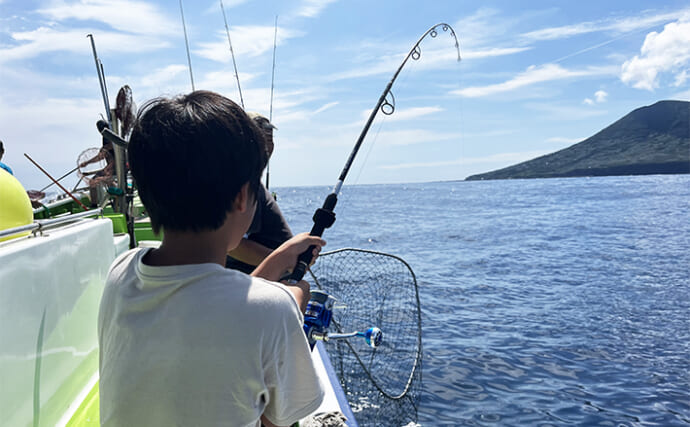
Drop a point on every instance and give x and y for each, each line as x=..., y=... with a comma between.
x=317, y=320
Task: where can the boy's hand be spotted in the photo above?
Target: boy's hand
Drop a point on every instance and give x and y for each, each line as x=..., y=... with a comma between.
x=297, y=245
x=284, y=258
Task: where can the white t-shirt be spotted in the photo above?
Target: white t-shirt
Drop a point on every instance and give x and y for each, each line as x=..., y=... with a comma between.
x=200, y=345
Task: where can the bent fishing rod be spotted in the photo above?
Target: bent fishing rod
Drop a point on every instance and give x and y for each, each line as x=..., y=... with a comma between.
x=324, y=217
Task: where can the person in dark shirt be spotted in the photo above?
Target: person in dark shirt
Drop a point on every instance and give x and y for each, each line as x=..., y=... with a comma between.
x=269, y=229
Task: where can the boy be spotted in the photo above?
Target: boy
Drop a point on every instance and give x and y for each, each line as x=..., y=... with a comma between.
x=183, y=340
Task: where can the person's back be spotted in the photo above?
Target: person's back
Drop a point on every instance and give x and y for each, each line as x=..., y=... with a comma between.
x=183, y=340
x=269, y=229
x=213, y=360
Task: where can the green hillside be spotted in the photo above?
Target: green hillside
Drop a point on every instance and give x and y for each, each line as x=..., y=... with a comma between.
x=650, y=140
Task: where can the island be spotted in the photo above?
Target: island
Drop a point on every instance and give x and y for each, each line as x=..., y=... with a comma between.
x=654, y=139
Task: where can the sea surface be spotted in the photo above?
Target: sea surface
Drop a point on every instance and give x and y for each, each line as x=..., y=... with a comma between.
x=545, y=301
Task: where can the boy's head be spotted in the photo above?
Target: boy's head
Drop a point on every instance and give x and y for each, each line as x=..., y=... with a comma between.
x=190, y=156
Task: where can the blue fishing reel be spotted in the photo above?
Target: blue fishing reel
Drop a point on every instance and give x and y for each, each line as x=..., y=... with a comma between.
x=317, y=320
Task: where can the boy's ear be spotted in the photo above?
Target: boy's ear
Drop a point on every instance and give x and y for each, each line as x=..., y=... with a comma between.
x=241, y=202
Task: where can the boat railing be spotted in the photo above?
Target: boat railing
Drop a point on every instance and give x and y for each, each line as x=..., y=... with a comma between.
x=38, y=226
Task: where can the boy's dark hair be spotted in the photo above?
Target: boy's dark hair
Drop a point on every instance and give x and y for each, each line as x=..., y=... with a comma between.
x=190, y=156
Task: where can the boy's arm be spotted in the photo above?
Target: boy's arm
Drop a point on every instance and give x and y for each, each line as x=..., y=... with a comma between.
x=284, y=258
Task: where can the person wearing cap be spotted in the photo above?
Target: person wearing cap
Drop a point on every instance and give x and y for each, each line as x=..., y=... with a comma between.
x=9, y=169
x=269, y=229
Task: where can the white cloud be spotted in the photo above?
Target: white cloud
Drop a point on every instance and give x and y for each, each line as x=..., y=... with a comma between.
x=163, y=76
x=42, y=40
x=533, y=75
x=407, y=114
x=387, y=64
x=493, y=52
x=136, y=27
x=214, y=6
x=312, y=8
x=681, y=78
x=600, y=96
x=553, y=33
x=326, y=107
x=246, y=40
x=487, y=27
x=667, y=51
x=431, y=59
x=437, y=58
x=125, y=15
x=290, y=108
x=225, y=79
x=618, y=25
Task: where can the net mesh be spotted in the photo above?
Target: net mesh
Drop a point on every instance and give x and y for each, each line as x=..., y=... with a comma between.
x=95, y=167
x=383, y=385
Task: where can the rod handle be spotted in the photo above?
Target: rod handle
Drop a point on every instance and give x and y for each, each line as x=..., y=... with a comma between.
x=323, y=218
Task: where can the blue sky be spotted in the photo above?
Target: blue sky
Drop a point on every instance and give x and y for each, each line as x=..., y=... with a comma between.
x=535, y=77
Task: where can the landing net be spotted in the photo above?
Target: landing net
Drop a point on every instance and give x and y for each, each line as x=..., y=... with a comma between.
x=95, y=166
x=383, y=385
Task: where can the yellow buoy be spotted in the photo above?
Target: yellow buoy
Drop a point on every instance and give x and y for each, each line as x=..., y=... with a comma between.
x=15, y=206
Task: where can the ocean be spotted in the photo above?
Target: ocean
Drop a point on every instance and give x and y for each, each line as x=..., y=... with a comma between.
x=545, y=301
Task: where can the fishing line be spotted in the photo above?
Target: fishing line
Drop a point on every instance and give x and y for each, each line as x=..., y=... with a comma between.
x=403, y=80
x=345, y=207
x=270, y=107
x=381, y=122
x=461, y=118
x=273, y=70
x=369, y=150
